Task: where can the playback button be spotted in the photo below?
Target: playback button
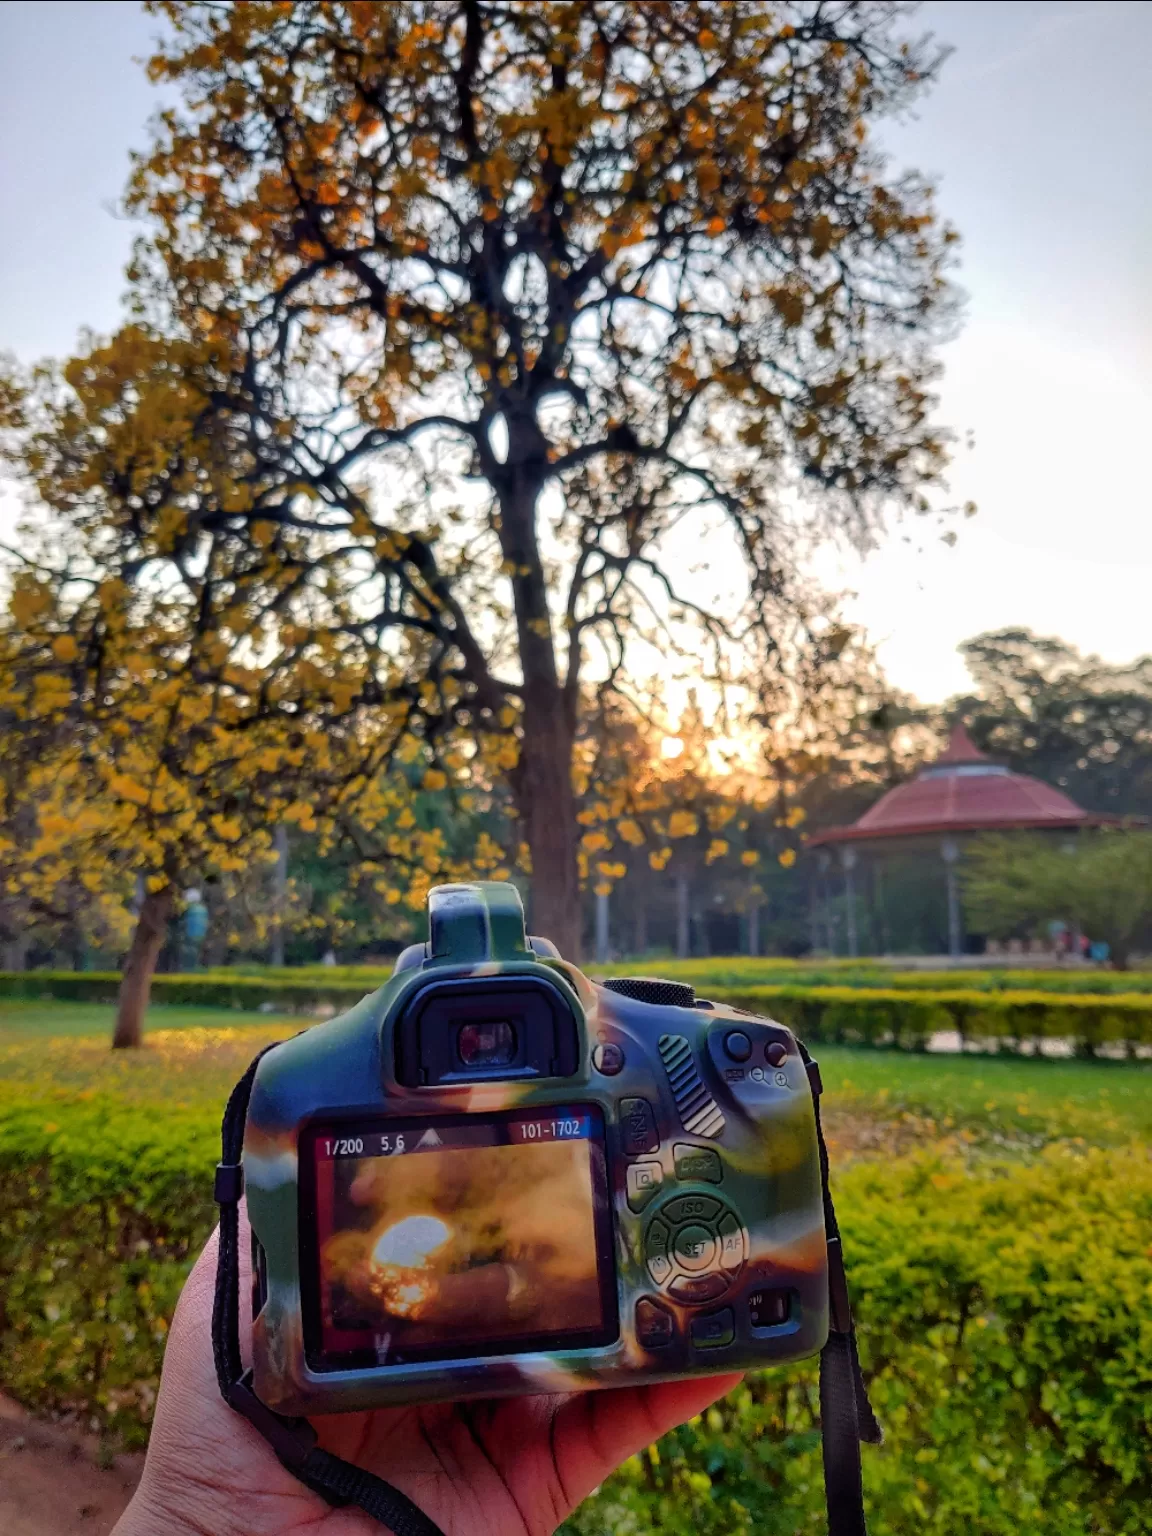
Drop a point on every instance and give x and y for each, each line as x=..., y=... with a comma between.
x=714, y=1330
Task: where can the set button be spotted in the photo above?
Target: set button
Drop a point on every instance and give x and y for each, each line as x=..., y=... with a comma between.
x=694, y=1247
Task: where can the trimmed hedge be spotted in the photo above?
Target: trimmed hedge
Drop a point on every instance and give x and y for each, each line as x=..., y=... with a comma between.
x=854, y=1015
x=1005, y=1315
x=1006, y=1333
x=849, y=1014
x=214, y=989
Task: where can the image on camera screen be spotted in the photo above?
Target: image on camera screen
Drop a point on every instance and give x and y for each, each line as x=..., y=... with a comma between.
x=471, y=1235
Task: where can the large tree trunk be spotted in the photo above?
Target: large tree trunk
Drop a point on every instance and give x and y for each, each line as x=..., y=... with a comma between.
x=543, y=776
x=140, y=966
x=548, y=812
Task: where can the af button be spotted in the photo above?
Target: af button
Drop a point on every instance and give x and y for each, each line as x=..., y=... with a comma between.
x=731, y=1242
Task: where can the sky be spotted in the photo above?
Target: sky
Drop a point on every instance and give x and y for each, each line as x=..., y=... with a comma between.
x=1039, y=136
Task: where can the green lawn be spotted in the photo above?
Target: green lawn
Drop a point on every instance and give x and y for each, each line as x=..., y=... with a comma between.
x=1102, y=1102
x=20, y=1019
x=192, y=1056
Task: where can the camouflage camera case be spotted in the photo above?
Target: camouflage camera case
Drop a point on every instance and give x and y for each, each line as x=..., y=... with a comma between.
x=493, y=1177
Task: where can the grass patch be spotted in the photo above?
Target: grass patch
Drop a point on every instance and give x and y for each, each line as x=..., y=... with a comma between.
x=1103, y=1103
x=192, y=1056
x=22, y=1019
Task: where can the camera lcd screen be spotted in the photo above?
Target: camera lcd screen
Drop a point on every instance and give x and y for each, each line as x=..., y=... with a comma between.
x=449, y=1237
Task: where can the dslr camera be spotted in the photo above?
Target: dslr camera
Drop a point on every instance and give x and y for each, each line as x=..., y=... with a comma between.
x=493, y=1177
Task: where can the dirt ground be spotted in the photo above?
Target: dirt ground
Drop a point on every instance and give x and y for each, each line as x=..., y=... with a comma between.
x=51, y=1482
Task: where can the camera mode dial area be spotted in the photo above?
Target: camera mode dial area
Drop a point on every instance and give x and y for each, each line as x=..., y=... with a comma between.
x=694, y=1247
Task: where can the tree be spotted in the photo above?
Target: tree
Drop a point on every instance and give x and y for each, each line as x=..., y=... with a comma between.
x=508, y=297
x=1101, y=886
x=1072, y=720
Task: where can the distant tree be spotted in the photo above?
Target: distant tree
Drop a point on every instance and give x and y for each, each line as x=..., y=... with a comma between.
x=509, y=297
x=1083, y=724
x=1100, y=885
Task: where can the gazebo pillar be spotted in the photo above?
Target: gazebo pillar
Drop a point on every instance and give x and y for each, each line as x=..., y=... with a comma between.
x=848, y=863
x=950, y=853
x=603, y=949
x=824, y=860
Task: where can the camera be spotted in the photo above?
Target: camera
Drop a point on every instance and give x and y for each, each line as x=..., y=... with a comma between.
x=493, y=1176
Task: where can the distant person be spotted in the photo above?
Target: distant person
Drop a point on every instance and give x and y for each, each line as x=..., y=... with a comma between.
x=329, y=957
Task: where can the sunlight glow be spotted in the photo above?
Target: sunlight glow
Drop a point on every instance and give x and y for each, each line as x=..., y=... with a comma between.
x=671, y=747
x=408, y=1243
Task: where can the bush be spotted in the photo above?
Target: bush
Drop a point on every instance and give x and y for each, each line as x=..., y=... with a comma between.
x=101, y=1214
x=1007, y=1336
x=288, y=992
x=1004, y=1310
x=877, y=1015
x=857, y=1015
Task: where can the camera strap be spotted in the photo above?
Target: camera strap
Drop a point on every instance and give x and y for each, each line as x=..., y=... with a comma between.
x=845, y=1413
x=293, y=1439
x=846, y=1416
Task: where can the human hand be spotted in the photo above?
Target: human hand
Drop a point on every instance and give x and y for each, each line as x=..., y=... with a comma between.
x=496, y=1467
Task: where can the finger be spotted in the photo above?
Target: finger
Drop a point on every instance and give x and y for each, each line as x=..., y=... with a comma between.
x=596, y=1431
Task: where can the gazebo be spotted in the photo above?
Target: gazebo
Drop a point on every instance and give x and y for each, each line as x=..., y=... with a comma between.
x=959, y=795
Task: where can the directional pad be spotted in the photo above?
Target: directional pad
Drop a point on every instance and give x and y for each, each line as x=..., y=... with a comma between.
x=694, y=1247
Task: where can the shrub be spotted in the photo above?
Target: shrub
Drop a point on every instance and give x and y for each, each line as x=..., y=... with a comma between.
x=908, y=1019
x=216, y=989
x=1006, y=1331
x=877, y=1015
x=1005, y=1312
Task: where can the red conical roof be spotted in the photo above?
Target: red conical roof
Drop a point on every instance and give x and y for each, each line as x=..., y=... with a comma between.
x=963, y=790
x=961, y=748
